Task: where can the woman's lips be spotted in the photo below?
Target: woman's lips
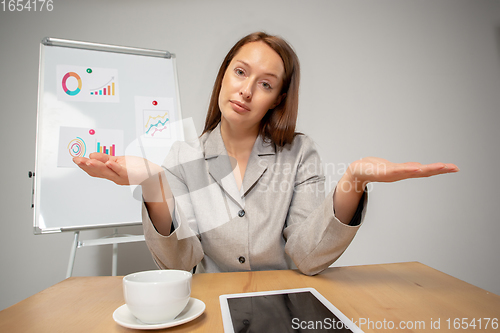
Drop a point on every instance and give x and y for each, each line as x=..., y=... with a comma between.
x=238, y=106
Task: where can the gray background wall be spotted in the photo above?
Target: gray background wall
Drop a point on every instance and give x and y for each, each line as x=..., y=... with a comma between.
x=406, y=80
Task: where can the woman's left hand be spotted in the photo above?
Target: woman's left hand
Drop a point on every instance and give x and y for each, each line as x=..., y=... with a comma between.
x=374, y=169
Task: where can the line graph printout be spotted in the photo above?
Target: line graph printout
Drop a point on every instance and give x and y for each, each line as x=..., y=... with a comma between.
x=156, y=124
x=87, y=84
x=154, y=117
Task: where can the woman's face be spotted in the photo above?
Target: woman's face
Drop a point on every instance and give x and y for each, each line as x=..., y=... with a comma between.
x=251, y=86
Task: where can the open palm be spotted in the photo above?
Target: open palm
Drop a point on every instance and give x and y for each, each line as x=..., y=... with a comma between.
x=375, y=169
x=122, y=170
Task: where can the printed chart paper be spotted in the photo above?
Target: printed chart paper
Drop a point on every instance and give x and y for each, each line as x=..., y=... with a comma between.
x=81, y=142
x=154, y=117
x=87, y=84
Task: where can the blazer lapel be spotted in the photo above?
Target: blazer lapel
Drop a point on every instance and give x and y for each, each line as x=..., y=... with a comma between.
x=220, y=165
x=262, y=154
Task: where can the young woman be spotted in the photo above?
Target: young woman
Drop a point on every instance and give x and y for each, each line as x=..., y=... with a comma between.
x=250, y=194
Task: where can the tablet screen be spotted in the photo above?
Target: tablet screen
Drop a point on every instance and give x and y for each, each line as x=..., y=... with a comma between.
x=283, y=312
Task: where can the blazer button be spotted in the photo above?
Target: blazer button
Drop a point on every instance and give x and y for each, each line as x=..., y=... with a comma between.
x=241, y=213
x=241, y=260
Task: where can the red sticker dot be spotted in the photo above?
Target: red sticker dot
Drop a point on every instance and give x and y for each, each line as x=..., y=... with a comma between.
x=91, y=132
x=155, y=103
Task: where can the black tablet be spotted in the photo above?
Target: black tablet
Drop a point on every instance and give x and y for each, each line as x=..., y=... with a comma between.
x=292, y=310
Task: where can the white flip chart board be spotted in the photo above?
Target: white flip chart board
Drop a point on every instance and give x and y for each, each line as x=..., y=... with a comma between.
x=96, y=97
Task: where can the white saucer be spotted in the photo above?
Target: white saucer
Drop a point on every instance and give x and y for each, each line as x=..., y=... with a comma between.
x=125, y=318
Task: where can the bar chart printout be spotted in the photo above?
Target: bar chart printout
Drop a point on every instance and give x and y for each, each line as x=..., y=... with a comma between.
x=83, y=141
x=108, y=90
x=108, y=150
x=87, y=84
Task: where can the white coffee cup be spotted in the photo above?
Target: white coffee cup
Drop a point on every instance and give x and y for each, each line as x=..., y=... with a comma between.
x=158, y=296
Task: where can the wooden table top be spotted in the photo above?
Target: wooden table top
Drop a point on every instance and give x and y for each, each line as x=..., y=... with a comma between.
x=409, y=293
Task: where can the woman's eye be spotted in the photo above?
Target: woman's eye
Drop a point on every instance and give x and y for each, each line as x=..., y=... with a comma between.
x=266, y=85
x=239, y=71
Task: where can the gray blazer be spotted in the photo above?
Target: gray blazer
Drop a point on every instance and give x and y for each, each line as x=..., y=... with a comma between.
x=279, y=219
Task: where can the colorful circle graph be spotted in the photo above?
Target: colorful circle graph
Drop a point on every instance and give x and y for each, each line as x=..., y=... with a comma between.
x=65, y=88
x=77, y=147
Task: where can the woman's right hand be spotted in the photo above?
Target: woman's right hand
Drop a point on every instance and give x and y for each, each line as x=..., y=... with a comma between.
x=122, y=170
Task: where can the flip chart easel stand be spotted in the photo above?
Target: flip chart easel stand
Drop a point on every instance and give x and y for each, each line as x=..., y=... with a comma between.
x=114, y=239
x=144, y=85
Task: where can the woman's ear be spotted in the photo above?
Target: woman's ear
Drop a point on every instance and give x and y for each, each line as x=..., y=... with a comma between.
x=278, y=100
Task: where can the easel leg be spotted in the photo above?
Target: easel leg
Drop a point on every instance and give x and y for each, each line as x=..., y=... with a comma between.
x=113, y=239
x=115, y=256
x=72, y=255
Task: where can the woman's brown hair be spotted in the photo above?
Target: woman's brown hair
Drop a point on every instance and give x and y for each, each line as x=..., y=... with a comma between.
x=278, y=124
